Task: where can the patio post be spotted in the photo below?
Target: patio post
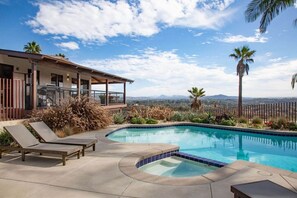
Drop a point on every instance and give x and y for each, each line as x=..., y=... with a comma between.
x=106, y=93
x=124, y=96
x=34, y=85
x=78, y=85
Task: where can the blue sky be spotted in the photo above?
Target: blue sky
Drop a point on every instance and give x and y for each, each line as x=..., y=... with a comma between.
x=166, y=46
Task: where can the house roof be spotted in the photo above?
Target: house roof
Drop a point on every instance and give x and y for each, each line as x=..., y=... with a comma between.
x=64, y=62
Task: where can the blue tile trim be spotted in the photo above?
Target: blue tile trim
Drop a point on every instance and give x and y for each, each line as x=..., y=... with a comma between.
x=245, y=130
x=155, y=158
x=200, y=159
x=181, y=155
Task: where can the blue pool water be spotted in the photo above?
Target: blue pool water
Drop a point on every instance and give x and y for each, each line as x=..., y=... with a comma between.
x=221, y=145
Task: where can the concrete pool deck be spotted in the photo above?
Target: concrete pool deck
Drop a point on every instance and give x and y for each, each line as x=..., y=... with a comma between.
x=100, y=174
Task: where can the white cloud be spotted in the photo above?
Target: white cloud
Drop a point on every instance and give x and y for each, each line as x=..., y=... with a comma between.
x=68, y=45
x=274, y=60
x=198, y=34
x=98, y=20
x=257, y=38
x=165, y=72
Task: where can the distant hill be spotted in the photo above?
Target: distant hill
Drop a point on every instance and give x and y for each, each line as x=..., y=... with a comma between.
x=181, y=97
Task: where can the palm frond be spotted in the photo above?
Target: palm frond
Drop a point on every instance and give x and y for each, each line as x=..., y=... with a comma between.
x=247, y=68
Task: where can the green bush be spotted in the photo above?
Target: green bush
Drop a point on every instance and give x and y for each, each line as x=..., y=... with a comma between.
x=229, y=122
x=292, y=126
x=192, y=116
x=5, y=139
x=118, y=118
x=282, y=123
x=196, y=120
x=257, y=121
x=151, y=121
x=178, y=116
x=138, y=120
x=243, y=120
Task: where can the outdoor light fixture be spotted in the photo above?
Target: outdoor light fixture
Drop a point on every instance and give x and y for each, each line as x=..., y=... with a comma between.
x=68, y=77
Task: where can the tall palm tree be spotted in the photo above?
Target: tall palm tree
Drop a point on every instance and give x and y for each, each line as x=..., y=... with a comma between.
x=196, y=95
x=244, y=56
x=269, y=9
x=294, y=80
x=32, y=47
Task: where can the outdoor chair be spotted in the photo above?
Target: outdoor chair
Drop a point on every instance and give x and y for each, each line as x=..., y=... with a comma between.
x=29, y=144
x=48, y=136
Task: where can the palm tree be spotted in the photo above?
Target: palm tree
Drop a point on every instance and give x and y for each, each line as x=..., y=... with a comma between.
x=32, y=47
x=196, y=95
x=269, y=9
x=244, y=56
x=294, y=80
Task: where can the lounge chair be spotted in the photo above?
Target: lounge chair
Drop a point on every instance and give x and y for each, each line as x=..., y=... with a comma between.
x=48, y=136
x=28, y=143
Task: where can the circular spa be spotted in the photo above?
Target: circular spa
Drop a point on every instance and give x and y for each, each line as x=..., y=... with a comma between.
x=220, y=145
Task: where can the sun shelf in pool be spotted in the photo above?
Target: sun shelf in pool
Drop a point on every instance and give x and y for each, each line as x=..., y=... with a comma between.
x=176, y=167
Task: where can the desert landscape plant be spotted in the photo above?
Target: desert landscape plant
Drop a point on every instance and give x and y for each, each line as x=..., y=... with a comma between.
x=82, y=114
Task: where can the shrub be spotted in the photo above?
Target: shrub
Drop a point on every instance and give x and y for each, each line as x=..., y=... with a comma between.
x=138, y=120
x=257, y=121
x=229, y=122
x=224, y=116
x=81, y=114
x=196, y=120
x=178, y=116
x=282, y=123
x=292, y=126
x=192, y=116
x=272, y=124
x=155, y=112
x=118, y=118
x=151, y=121
x=207, y=118
x=243, y=120
x=5, y=138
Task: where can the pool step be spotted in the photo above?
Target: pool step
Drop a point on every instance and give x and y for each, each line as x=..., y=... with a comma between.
x=170, y=162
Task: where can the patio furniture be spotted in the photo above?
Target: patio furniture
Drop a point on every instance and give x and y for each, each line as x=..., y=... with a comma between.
x=48, y=136
x=261, y=189
x=28, y=143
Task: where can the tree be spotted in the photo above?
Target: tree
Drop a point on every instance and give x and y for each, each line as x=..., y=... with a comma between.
x=294, y=80
x=61, y=55
x=196, y=95
x=32, y=47
x=244, y=56
x=269, y=9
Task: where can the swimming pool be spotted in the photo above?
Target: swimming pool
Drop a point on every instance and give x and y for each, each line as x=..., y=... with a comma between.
x=217, y=144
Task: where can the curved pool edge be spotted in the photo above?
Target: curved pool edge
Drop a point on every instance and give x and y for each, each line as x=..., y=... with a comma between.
x=231, y=128
x=127, y=164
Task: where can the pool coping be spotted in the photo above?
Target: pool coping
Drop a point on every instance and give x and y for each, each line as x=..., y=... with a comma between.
x=127, y=164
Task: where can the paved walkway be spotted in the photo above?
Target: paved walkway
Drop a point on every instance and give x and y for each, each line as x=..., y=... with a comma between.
x=98, y=175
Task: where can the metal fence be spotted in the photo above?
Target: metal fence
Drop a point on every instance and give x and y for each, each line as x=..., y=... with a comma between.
x=286, y=110
x=12, y=99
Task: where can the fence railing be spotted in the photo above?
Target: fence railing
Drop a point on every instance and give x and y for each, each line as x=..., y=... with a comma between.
x=12, y=99
x=54, y=95
x=286, y=110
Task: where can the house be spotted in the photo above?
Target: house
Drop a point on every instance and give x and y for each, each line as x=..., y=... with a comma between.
x=33, y=81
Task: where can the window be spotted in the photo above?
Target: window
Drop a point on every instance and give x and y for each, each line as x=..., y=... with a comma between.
x=57, y=80
x=6, y=71
x=84, y=83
